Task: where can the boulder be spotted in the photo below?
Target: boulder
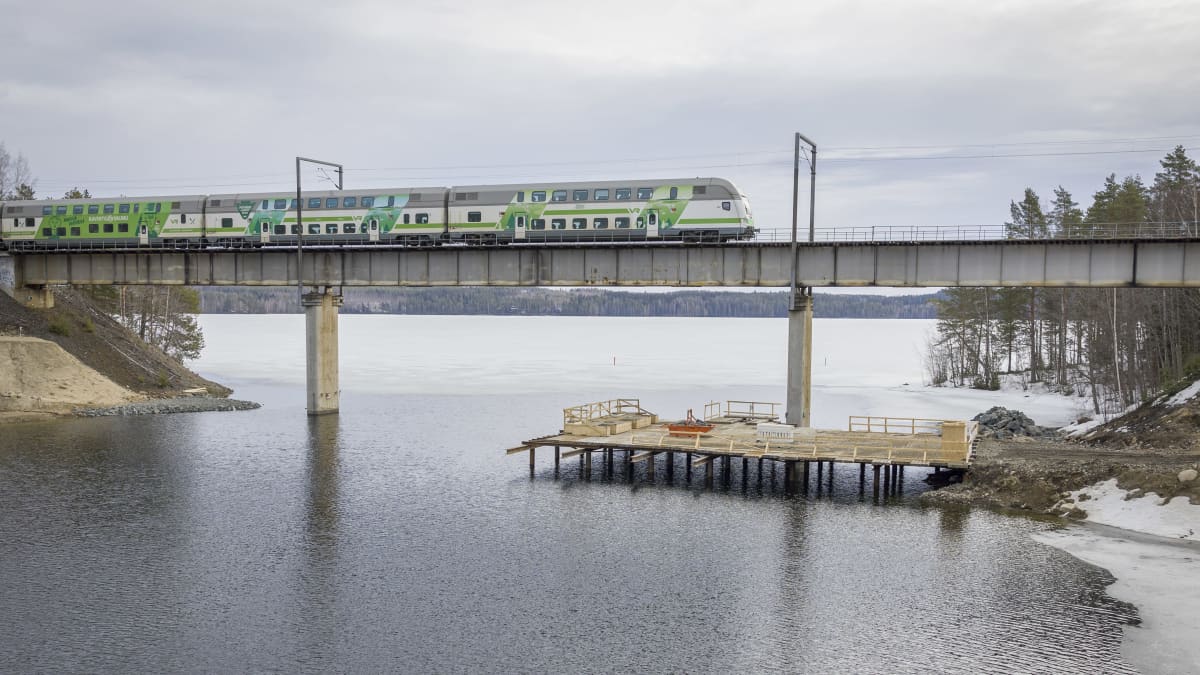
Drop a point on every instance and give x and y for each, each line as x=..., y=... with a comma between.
x=1187, y=475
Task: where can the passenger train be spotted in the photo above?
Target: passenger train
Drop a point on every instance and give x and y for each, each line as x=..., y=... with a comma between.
x=688, y=210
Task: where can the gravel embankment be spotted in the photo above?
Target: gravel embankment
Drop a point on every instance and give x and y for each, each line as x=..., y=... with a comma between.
x=171, y=405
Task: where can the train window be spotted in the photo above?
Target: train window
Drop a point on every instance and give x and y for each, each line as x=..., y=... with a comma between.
x=601, y=194
x=175, y=205
x=537, y=196
x=368, y=202
x=579, y=195
x=292, y=204
x=47, y=232
x=296, y=228
x=623, y=193
x=279, y=229
x=74, y=231
x=314, y=203
x=622, y=223
x=77, y=209
x=227, y=222
x=537, y=224
x=60, y=231
x=108, y=209
x=62, y=210
x=348, y=228
x=725, y=206
x=600, y=223
x=266, y=204
x=699, y=189
x=645, y=193
x=474, y=217
x=520, y=196
x=122, y=227
x=215, y=202
x=674, y=193
x=350, y=202
x=331, y=203
x=559, y=196
x=314, y=228
x=29, y=222
x=406, y=216
x=641, y=223
x=422, y=218
x=280, y=204
x=558, y=224
x=579, y=223
x=136, y=207
x=93, y=209
x=123, y=208
x=391, y=201
x=108, y=228
x=93, y=228
x=332, y=228
x=182, y=218
x=47, y=210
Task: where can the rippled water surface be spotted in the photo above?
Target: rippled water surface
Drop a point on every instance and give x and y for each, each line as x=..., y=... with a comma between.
x=398, y=536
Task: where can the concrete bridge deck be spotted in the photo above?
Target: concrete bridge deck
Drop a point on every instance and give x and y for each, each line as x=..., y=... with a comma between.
x=1043, y=263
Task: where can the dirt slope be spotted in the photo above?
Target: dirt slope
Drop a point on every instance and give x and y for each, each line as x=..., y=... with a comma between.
x=38, y=376
x=102, y=344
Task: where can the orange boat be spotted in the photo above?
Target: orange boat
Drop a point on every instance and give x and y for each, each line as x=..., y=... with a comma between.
x=689, y=427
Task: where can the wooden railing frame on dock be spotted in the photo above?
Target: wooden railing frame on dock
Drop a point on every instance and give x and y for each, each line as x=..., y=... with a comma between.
x=582, y=414
x=874, y=424
x=752, y=411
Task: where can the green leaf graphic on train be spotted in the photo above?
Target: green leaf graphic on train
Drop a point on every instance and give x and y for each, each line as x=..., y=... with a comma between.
x=669, y=201
x=531, y=210
x=386, y=210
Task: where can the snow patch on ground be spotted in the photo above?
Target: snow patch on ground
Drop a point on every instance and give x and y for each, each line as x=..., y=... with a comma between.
x=1185, y=395
x=1080, y=428
x=1161, y=578
x=1106, y=504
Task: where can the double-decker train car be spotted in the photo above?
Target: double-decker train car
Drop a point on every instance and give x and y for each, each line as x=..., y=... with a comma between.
x=101, y=223
x=691, y=210
x=408, y=216
x=699, y=209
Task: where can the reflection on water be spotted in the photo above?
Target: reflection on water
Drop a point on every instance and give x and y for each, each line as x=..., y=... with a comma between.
x=398, y=536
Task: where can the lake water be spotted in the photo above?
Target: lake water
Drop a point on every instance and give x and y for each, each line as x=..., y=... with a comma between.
x=398, y=536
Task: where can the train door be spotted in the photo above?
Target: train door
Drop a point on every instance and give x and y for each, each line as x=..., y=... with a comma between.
x=264, y=231
x=519, y=228
x=143, y=235
x=373, y=229
x=651, y=223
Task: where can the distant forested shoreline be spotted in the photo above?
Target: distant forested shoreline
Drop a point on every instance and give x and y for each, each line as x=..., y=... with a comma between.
x=569, y=302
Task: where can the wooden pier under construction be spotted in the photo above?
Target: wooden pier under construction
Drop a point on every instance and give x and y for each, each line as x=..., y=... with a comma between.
x=750, y=430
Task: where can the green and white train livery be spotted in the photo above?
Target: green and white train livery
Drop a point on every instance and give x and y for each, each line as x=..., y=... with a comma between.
x=692, y=210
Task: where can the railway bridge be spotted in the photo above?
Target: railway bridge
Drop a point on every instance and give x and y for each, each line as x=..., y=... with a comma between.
x=912, y=258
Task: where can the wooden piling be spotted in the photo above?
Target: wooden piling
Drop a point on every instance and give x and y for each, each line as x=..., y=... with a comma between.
x=532, y=452
x=557, y=457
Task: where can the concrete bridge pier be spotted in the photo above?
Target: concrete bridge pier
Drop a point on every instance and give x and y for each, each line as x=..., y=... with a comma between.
x=34, y=297
x=799, y=357
x=321, y=343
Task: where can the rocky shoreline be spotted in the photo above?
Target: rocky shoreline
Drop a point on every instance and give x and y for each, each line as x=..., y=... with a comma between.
x=1036, y=475
x=170, y=405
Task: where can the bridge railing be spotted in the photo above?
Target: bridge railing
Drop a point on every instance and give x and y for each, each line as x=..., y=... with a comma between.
x=901, y=234
x=915, y=233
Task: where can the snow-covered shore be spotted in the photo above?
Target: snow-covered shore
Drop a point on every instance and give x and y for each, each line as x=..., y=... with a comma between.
x=1152, y=548
x=1107, y=504
x=1160, y=576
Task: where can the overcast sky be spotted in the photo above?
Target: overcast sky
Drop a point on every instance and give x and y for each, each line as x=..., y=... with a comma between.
x=151, y=97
